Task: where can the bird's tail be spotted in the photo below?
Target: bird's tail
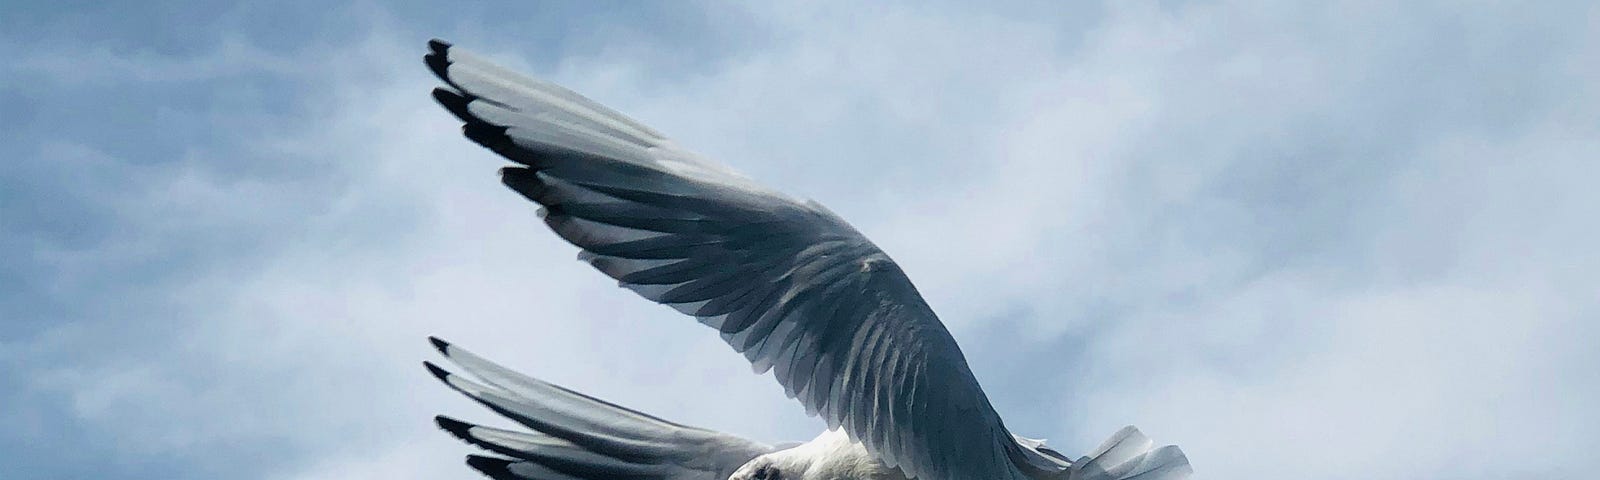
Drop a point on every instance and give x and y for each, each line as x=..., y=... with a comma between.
x=1129, y=455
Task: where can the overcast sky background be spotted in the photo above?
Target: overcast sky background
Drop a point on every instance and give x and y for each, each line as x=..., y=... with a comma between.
x=1345, y=240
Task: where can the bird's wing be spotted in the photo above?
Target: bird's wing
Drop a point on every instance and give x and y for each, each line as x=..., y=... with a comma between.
x=1129, y=455
x=576, y=436
x=787, y=283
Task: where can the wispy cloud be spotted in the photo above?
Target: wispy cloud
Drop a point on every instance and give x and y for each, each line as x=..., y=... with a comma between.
x=1297, y=241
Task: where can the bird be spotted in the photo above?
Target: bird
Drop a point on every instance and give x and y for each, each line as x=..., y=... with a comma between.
x=786, y=282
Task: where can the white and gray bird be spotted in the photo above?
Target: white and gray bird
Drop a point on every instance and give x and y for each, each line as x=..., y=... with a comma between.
x=786, y=282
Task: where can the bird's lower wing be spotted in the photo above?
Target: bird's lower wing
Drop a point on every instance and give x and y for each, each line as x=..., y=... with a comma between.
x=574, y=436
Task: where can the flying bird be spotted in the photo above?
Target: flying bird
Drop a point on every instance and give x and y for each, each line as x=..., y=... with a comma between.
x=784, y=281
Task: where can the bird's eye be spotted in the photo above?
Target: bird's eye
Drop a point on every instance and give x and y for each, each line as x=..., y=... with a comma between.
x=767, y=472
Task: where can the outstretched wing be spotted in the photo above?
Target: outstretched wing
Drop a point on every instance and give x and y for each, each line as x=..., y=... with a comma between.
x=787, y=283
x=576, y=436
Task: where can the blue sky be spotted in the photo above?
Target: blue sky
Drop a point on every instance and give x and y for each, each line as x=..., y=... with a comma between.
x=1298, y=241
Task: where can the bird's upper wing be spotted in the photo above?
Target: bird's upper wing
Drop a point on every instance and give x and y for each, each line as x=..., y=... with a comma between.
x=576, y=436
x=787, y=283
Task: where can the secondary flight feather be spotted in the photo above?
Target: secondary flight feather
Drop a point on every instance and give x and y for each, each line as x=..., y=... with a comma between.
x=785, y=282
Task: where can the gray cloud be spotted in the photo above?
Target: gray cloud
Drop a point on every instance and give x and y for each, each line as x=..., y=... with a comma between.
x=1297, y=241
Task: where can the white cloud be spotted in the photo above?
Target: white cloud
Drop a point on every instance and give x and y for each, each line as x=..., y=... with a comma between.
x=1409, y=305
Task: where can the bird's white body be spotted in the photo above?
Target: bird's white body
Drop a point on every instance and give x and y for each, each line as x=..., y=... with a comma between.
x=830, y=456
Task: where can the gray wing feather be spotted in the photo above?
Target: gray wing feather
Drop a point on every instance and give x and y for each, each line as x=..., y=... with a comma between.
x=576, y=436
x=1128, y=455
x=787, y=283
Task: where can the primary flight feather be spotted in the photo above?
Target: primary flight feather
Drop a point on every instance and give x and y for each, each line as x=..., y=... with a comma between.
x=786, y=282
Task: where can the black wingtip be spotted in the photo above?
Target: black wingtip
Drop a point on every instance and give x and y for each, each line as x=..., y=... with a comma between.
x=524, y=181
x=440, y=345
x=455, y=102
x=438, y=45
x=439, y=373
x=438, y=59
x=485, y=134
x=497, y=468
x=439, y=65
x=455, y=427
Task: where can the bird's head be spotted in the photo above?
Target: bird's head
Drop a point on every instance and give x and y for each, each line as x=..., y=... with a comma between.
x=772, y=466
x=759, y=468
x=832, y=455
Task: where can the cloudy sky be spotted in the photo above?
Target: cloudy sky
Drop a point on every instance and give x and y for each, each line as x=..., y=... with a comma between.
x=1350, y=239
